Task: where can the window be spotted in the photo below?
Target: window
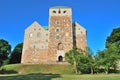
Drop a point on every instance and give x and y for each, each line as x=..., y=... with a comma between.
x=34, y=46
x=54, y=11
x=57, y=30
x=64, y=20
x=30, y=35
x=57, y=37
x=34, y=52
x=38, y=35
x=57, y=22
x=60, y=46
x=81, y=32
x=42, y=47
x=46, y=34
x=64, y=11
x=67, y=34
x=59, y=11
x=46, y=40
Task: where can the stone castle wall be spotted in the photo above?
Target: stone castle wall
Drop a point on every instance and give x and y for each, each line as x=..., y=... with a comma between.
x=43, y=46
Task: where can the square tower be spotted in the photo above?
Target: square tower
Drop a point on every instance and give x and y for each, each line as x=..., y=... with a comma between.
x=60, y=28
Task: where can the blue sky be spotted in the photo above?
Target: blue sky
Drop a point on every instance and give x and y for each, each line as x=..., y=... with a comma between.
x=99, y=17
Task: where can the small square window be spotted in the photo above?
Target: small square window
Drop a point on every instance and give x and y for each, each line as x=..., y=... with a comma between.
x=42, y=46
x=57, y=37
x=57, y=22
x=46, y=40
x=57, y=30
x=46, y=34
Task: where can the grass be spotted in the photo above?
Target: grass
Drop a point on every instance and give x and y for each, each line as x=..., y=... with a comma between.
x=40, y=68
x=60, y=77
x=49, y=72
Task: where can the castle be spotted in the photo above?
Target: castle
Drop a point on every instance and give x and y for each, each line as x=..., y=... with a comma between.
x=48, y=45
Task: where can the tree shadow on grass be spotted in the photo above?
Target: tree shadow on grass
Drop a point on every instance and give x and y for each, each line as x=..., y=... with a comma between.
x=4, y=71
x=30, y=77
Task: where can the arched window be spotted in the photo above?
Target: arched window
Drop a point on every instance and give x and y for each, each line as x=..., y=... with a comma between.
x=30, y=35
x=60, y=46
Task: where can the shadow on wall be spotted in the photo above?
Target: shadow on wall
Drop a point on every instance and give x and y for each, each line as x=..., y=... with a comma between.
x=31, y=77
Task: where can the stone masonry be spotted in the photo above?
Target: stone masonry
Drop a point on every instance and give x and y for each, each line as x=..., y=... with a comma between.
x=48, y=45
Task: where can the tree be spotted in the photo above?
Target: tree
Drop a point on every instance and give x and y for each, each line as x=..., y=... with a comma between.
x=92, y=61
x=114, y=37
x=5, y=50
x=73, y=57
x=83, y=64
x=15, y=56
x=108, y=58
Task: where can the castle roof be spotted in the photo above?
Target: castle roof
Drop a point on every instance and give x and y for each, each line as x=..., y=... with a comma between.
x=45, y=27
x=60, y=7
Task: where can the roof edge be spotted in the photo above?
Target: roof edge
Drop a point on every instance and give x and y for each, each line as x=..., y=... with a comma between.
x=54, y=7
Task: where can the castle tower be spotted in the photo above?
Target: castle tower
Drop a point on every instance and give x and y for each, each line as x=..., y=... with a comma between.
x=60, y=31
x=79, y=36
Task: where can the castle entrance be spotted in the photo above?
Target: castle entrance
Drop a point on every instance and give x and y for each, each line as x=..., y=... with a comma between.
x=60, y=58
x=60, y=52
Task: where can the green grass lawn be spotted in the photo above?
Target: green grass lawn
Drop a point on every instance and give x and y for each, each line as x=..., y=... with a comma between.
x=49, y=72
x=60, y=77
x=40, y=68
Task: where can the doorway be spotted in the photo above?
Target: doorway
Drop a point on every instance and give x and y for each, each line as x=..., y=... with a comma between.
x=60, y=58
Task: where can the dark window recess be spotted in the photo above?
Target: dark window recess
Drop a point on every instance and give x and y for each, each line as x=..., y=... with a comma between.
x=57, y=36
x=57, y=30
x=59, y=11
x=46, y=40
x=46, y=34
x=64, y=11
x=54, y=11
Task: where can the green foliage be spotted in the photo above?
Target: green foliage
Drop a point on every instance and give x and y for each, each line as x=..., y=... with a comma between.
x=108, y=58
x=114, y=37
x=5, y=49
x=82, y=63
x=73, y=57
x=15, y=57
